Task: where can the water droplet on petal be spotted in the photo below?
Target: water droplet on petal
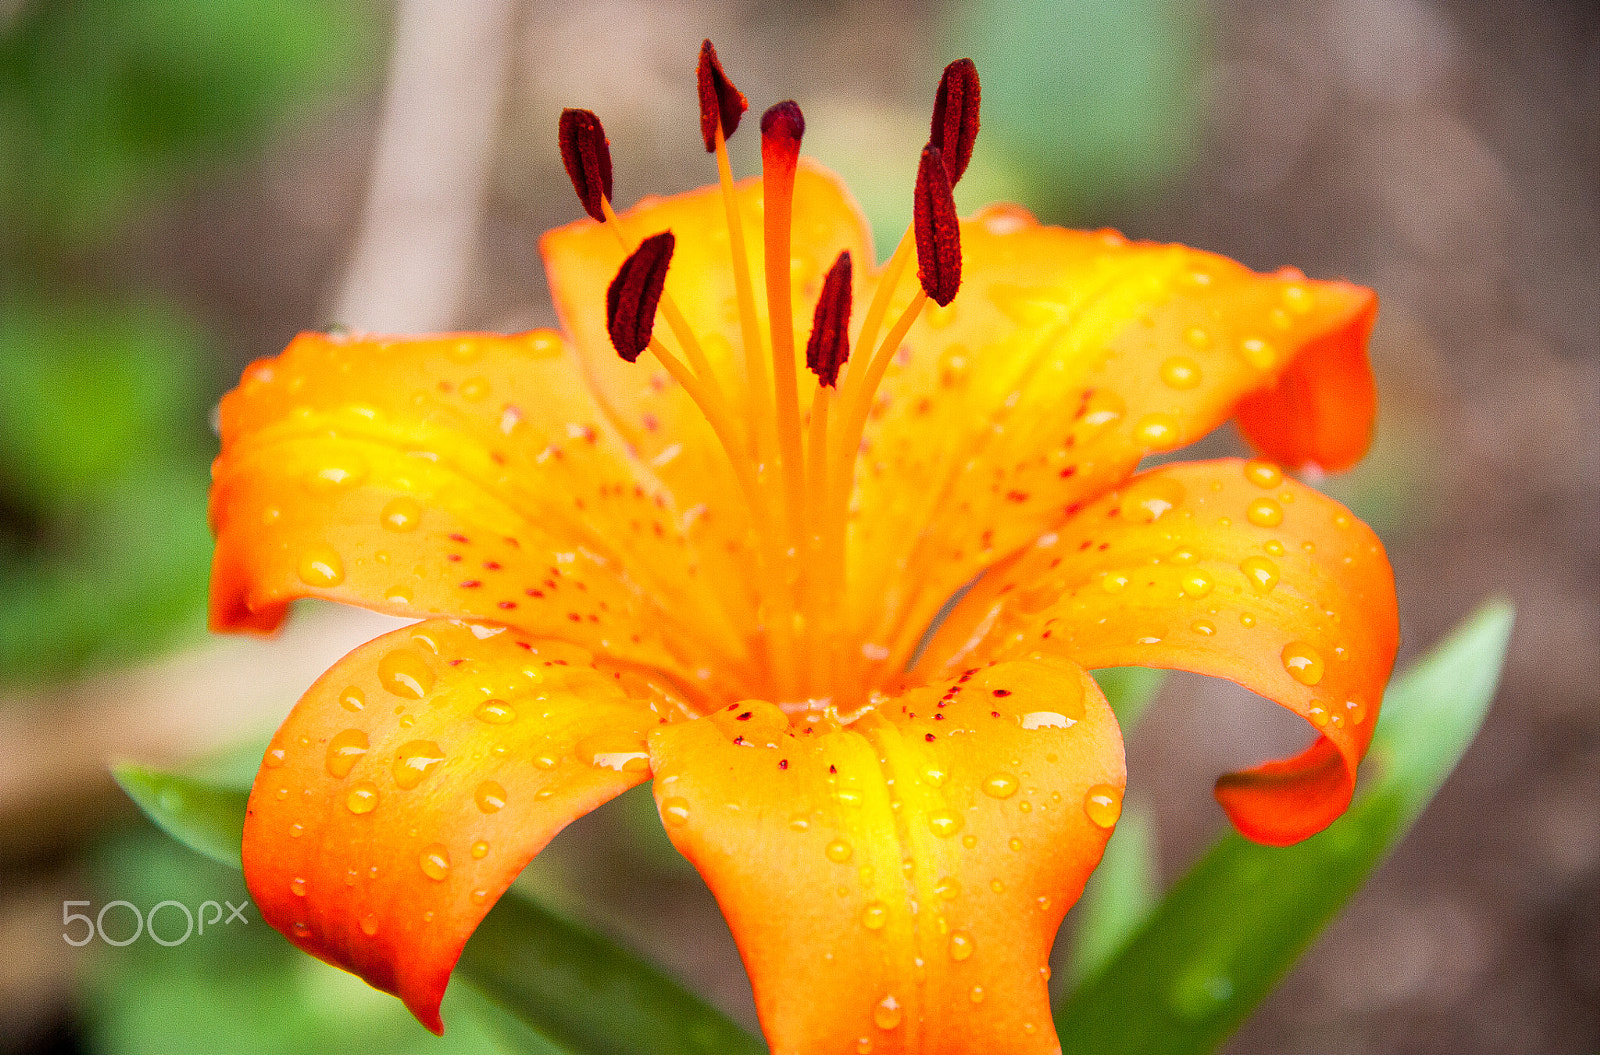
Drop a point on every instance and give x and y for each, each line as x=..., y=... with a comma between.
x=480, y=850
x=944, y=823
x=961, y=946
x=1262, y=573
x=947, y=888
x=1258, y=353
x=414, y=761
x=321, y=567
x=336, y=477
x=363, y=797
x=838, y=851
x=352, y=699
x=344, y=751
x=435, y=862
x=1147, y=500
x=1180, y=372
x=1303, y=662
x=975, y=994
x=301, y=929
x=1157, y=430
x=1000, y=786
x=1103, y=804
x=403, y=672
x=275, y=757
x=1204, y=627
x=887, y=1013
x=490, y=796
x=369, y=925
x=621, y=752
x=297, y=887
x=875, y=915
x=496, y=712
x=675, y=811
x=1197, y=584
x=401, y=514
x=1264, y=512
x=799, y=822
x=1262, y=473
x=1113, y=582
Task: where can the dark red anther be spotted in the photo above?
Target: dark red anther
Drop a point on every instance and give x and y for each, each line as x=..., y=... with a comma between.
x=955, y=116
x=720, y=102
x=586, y=153
x=633, y=295
x=782, y=128
x=933, y=214
x=829, y=346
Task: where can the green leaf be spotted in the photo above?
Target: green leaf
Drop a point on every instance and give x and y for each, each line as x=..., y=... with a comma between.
x=587, y=994
x=205, y=817
x=1121, y=893
x=1130, y=691
x=1226, y=933
x=575, y=991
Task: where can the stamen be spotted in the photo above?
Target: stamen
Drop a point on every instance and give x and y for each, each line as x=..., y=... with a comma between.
x=632, y=297
x=938, y=230
x=829, y=345
x=721, y=104
x=955, y=116
x=782, y=127
x=586, y=153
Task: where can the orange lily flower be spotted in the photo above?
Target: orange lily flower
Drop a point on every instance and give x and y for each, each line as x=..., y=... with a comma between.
x=719, y=571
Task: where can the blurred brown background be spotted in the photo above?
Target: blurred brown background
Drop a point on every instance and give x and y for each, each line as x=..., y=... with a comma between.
x=184, y=184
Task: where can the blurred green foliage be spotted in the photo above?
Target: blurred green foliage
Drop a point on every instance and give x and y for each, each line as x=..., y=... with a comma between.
x=107, y=109
x=1088, y=104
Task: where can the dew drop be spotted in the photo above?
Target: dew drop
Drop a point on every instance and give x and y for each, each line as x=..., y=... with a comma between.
x=875, y=915
x=414, y=761
x=1261, y=572
x=1157, y=430
x=1197, y=338
x=336, y=477
x=474, y=389
x=1299, y=299
x=1258, y=353
x=480, y=850
x=863, y=1046
x=321, y=567
x=1303, y=662
x=297, y=887
x=1204, y=627
x=1148, y=500
x=401, y=514
x=296, y=830
x=1264, y=512
x=1357, y=711
x=1273, y=546
x=887, y=1013
x=799, y=823
x=998, y=886
x=1263, y=473
x=961, y=946
x=947, y=889
x=1197, y=584
x=496, y=712
x=620, y=752
x=1113, y=582
x=369, y=925
x=1180, y=372
x=490, y=796
x=675, y=811
x=1000, y=786
x=344, y=751
x=275, y=757
x=934, y=777
x=301, y=929
x=969, y=841
x=838, y=851
x=363, y=797
x=1103, y=804
x=944, y=823
x=975, y=994
x=352, y=699
x=403, y=672
x=1015, y=844
x=435, y=862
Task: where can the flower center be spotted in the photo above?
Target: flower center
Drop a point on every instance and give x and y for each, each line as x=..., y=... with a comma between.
x=795, y=470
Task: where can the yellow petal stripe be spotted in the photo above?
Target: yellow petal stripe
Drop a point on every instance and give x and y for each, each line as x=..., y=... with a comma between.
x=895, y=884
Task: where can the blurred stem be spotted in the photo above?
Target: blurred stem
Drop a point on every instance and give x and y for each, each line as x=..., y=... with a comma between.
x=419, y=225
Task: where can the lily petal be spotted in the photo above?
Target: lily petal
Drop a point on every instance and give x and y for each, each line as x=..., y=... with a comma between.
x=414, y=781
x=463, y=474
x=894, y=885
x=1224, y=568
x=1068, y=357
